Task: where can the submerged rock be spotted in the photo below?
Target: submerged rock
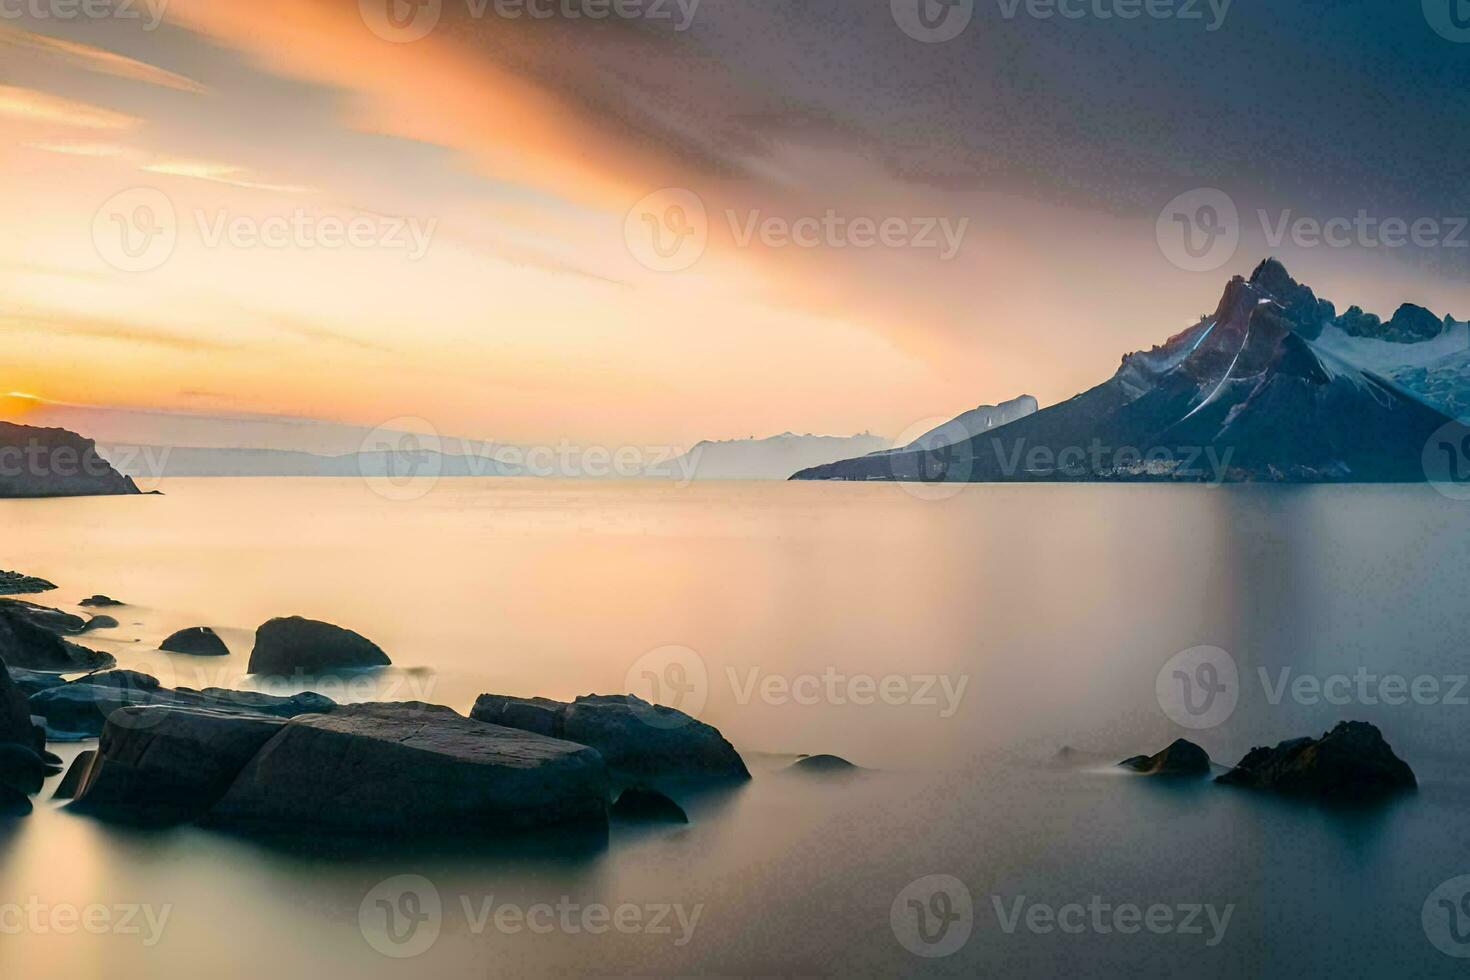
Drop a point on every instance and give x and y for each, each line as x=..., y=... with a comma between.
x=642, y=803
x=81, y=708
x=1182, y=758
x=100, y=622
x=45, y=617
x=413, y=769
x=28, y=646
x=100, y=601
x=168, y=765
x=1351, y=762
x=823, y=765
x=635, y=737
x=296, y=645
x=199, y=641
x=21, y=768
x=14, y=803
x=14, y=583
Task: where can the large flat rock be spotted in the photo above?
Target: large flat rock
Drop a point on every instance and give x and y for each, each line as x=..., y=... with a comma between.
x=636, y=738
x=413, y=769
x=26, y=645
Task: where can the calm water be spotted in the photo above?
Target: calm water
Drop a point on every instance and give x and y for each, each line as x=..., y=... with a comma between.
x=1003, y=623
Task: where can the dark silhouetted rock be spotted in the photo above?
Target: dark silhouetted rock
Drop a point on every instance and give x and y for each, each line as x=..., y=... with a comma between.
x=413, y=769
x=1412, y=324
x=100, y=602
x=44, y=616
x=641, y=803
x=1183, y=758
x=635, y=737
x=32, y=682
x=76, y=777
x=25, y=645
x=80, y=709
x=200, y=641
x=823, y=765
x=15, y=710
x=100, y=622
x=56, y=463
x=21, y=768
x=169, y=765
x=1351, y=762
x=14, y=803
x=296, y=645
x=14, y=583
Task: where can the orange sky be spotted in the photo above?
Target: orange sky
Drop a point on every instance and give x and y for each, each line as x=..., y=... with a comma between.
x=517, y=151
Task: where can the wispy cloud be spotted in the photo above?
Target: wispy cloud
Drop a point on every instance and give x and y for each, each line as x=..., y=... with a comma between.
x=98, y=328
x=80, y=148
x=96, y=60
x=220, y=173
x=33, y=106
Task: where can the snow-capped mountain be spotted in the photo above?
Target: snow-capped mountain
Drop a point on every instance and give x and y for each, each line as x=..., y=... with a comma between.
x=1245, y=394
x=977, y=421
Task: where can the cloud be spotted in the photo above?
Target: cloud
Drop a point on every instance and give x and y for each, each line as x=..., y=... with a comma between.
x=99, y=328
x=103, y=62
x=220, y=173
x=28, y=104
x=80, y=148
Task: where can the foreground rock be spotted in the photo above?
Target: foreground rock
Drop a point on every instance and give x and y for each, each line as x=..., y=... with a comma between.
x=296, y=645
x=80, y=709
x=28, y=646
x=44, y=616
x=15, y=711
x=14, y=583
x=76, y=777
x=14, y=803
x=1351, y=762
x=1182, y=758
x=168, y=765
x=412, y=769
x=636, y=738
x=21, y=769
x=640, y=803
x=32, y=682
x=200, y=641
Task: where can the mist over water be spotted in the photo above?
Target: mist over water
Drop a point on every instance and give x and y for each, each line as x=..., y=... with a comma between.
x=951, y=645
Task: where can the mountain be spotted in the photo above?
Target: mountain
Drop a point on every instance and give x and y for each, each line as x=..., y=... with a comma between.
x=975, y=422
x=775, y=458
x=1243, y=395
x=55, y=463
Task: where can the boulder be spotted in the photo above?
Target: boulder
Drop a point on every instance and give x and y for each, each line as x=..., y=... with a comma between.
x=21, y=769
x=81, y=708
x=199, y=641
x=823, y=765
x=14, y=803
x=296, y=645
x=644, y=804
x=636, y=738
x=100, y=622
x=1351, y=762
x=14, y=583
x=58, y=464
x=15, y=710
x=34, y=681
x=162, y=765
x=1182, y=758
x=412, y=769
x=100, y=602
x=28, y=646
x=44, y=616
x=76, y=777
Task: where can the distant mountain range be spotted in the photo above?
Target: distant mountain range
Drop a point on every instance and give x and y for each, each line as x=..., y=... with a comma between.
x=1261, y=390
x=775, y=458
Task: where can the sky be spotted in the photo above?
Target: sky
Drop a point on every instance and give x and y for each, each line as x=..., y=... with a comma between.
x=692, y=220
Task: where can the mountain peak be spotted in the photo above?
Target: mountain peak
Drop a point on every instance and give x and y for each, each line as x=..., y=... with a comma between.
x=1272, y=276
